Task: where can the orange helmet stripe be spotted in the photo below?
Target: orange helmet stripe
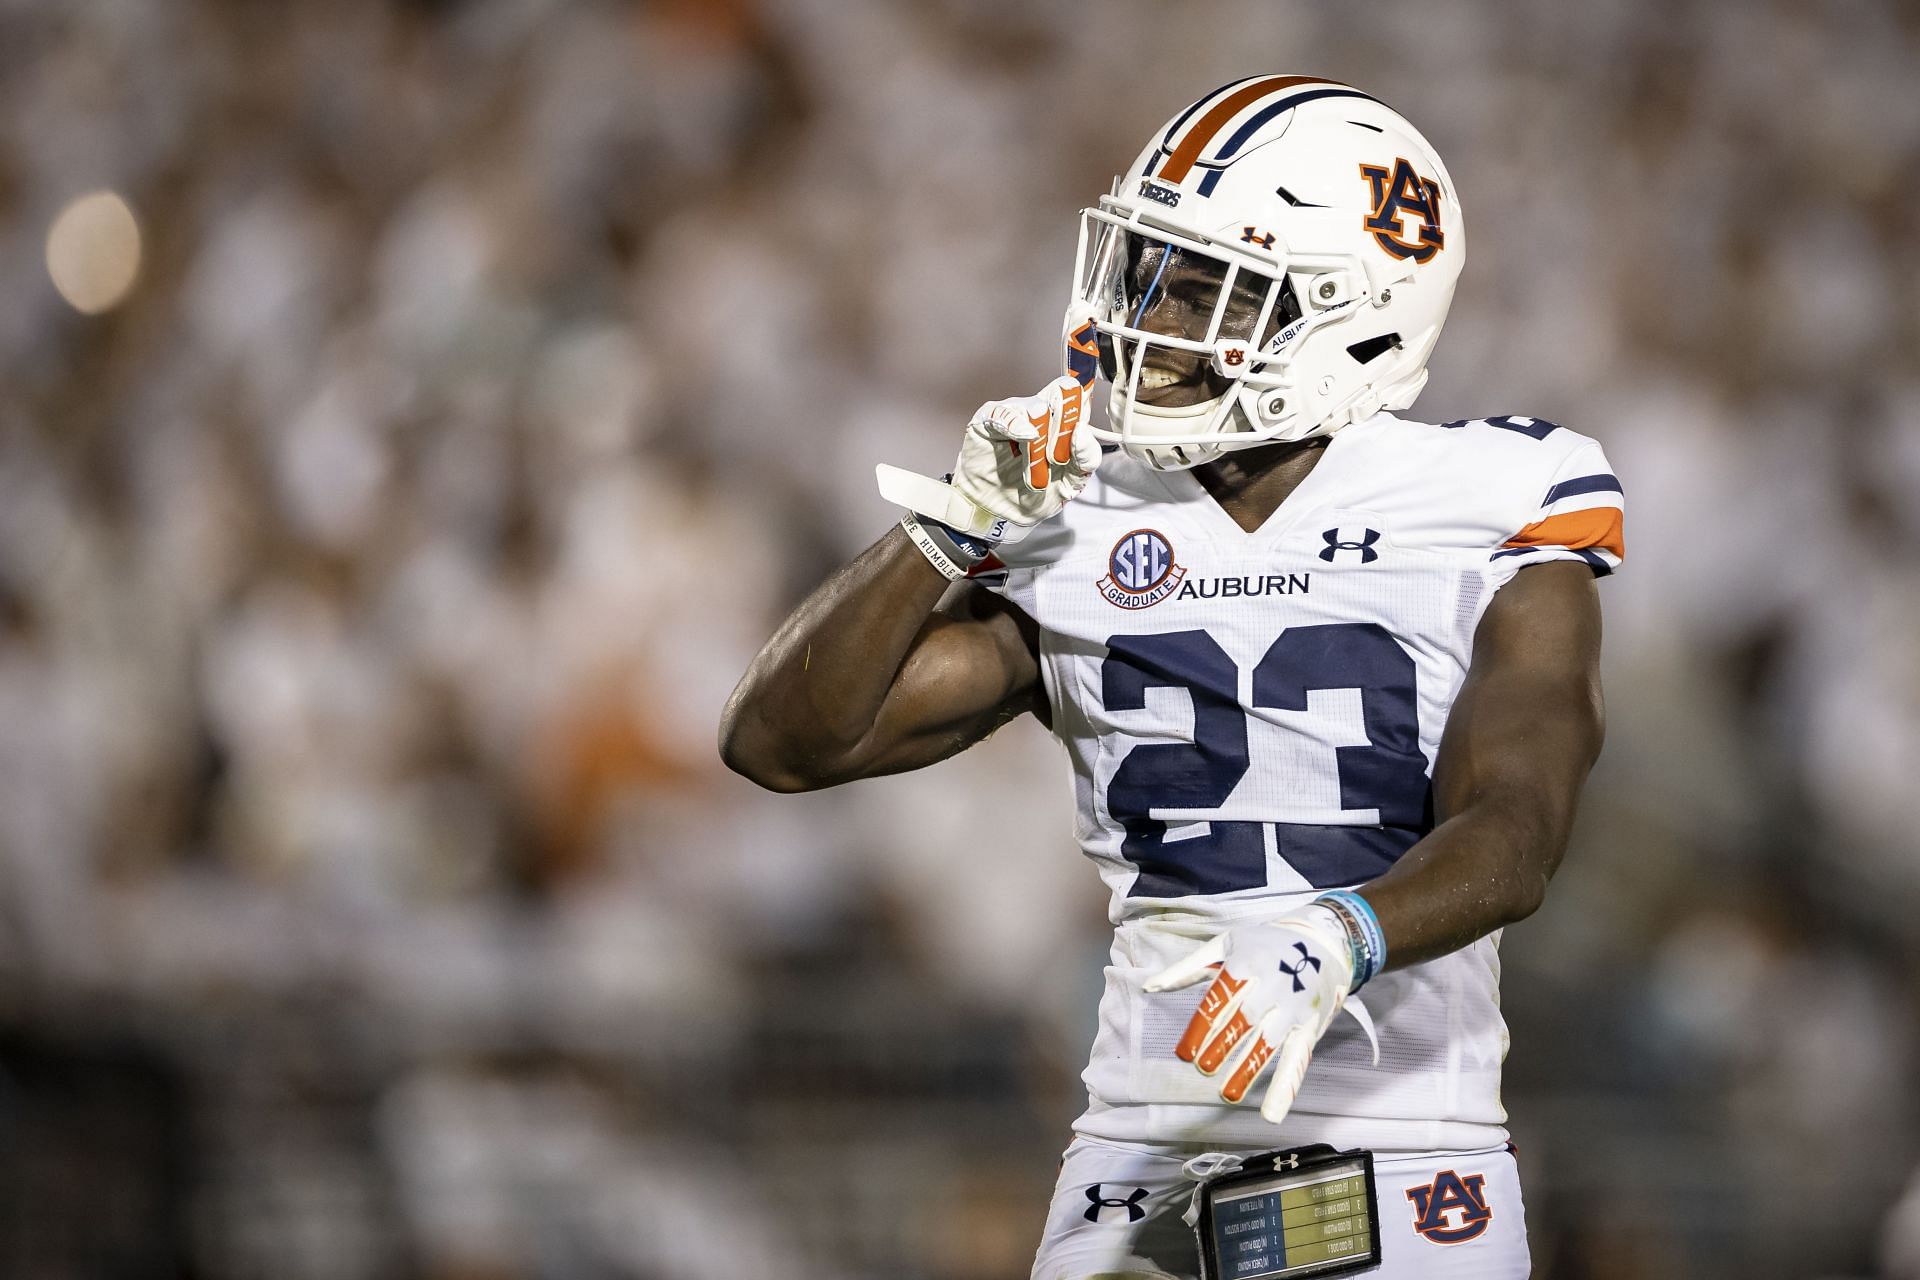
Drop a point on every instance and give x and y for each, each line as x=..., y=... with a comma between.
x=1180, y=163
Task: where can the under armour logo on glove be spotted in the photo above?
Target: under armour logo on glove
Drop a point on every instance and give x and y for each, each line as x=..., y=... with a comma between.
x=1131, y=1203
x=1295, y=970
x=1247, y=1019
x=1364, y=545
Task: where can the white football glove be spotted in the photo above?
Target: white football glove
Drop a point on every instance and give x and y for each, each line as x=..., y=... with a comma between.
x=1280, y=984
x=1021, y=460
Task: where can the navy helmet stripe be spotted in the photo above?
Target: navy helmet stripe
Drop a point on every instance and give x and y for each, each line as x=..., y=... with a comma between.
x=1261, y=117
x=1582, y=484
x=1268, y=112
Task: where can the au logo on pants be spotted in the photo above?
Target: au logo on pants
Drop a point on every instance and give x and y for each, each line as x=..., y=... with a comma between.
x=1451, y=1209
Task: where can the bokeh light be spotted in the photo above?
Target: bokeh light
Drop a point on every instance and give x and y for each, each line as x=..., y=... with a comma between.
x=93, y=252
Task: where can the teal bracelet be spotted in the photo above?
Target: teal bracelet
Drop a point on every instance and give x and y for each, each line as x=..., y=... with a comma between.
x=1364, y=935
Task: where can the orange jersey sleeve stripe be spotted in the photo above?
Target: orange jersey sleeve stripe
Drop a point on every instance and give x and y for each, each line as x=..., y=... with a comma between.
x=1180, y=163
x=1601, y=527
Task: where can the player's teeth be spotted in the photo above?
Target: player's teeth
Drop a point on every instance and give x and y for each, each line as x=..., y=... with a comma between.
x=1153, y=379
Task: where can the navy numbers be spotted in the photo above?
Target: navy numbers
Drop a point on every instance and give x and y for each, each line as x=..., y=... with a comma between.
x=1388, y=773
x=1170, y=775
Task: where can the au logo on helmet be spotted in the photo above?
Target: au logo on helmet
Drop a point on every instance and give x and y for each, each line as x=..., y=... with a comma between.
x=1398, y=193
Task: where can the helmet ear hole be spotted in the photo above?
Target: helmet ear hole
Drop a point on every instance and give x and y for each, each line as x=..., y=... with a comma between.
x=1109, y=367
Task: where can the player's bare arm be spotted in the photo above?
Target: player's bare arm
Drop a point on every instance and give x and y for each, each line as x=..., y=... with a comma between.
x=1525, y=729
x=876, y=672
x=885, y=667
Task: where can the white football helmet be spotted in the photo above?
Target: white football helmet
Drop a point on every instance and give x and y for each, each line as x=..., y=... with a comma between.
x=1275, y=265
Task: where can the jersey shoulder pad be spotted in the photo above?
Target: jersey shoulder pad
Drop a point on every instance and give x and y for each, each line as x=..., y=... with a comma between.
x=1505, y=483
x=1511, y=460
x=1558, y=497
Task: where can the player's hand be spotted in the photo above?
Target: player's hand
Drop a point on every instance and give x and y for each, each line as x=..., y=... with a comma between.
x=1277, y=985
x=1020, y=461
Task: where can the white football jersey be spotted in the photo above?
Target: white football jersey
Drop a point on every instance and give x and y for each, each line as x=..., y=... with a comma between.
x=1253, y=719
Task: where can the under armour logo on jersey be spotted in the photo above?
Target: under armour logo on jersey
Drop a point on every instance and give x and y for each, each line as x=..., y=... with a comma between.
x=1130, y=1202
x=1364, y=545
x=1295, y=970
x=1449, y=1193
x=1398, y=192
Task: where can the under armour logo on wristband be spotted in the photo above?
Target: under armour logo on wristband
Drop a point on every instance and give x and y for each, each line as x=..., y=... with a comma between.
x=1295, y=970
x=1131, y=1203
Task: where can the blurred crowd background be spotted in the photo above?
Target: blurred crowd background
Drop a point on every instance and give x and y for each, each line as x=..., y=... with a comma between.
x=496, y=373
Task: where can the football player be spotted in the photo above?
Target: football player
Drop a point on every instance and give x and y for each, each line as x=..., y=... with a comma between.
x=1327, y=677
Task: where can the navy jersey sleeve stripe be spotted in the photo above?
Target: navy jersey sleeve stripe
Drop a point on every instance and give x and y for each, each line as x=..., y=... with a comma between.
x=1579, y=485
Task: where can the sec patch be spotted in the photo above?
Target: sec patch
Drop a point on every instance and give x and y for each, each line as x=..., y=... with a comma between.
x=1141, y=570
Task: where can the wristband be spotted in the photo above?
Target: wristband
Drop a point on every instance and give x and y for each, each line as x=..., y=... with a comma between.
x=1364, y=935
x=968, y=548
x=941, y=546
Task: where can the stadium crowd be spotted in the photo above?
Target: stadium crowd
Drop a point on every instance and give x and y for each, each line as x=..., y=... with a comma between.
x=372, y=899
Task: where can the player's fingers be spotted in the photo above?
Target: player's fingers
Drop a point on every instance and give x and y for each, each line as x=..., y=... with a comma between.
x=1241, y=1078
x=1219, y=1003
x=1004, y=420
x=1038, y=471
x=1043, y=416
x=1289, y=1069
x=1243, y=1068
x=1220, y=1000
x=1070, y=399
x=1235, y=1029
x=1190, y=968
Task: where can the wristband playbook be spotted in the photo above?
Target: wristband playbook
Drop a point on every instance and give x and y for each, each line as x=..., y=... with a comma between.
x=1304, y=1211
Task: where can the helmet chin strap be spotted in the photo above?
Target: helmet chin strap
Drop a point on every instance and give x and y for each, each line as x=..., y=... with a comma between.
x=1205, y=418
x=1255, y=420
x=1249, y=431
